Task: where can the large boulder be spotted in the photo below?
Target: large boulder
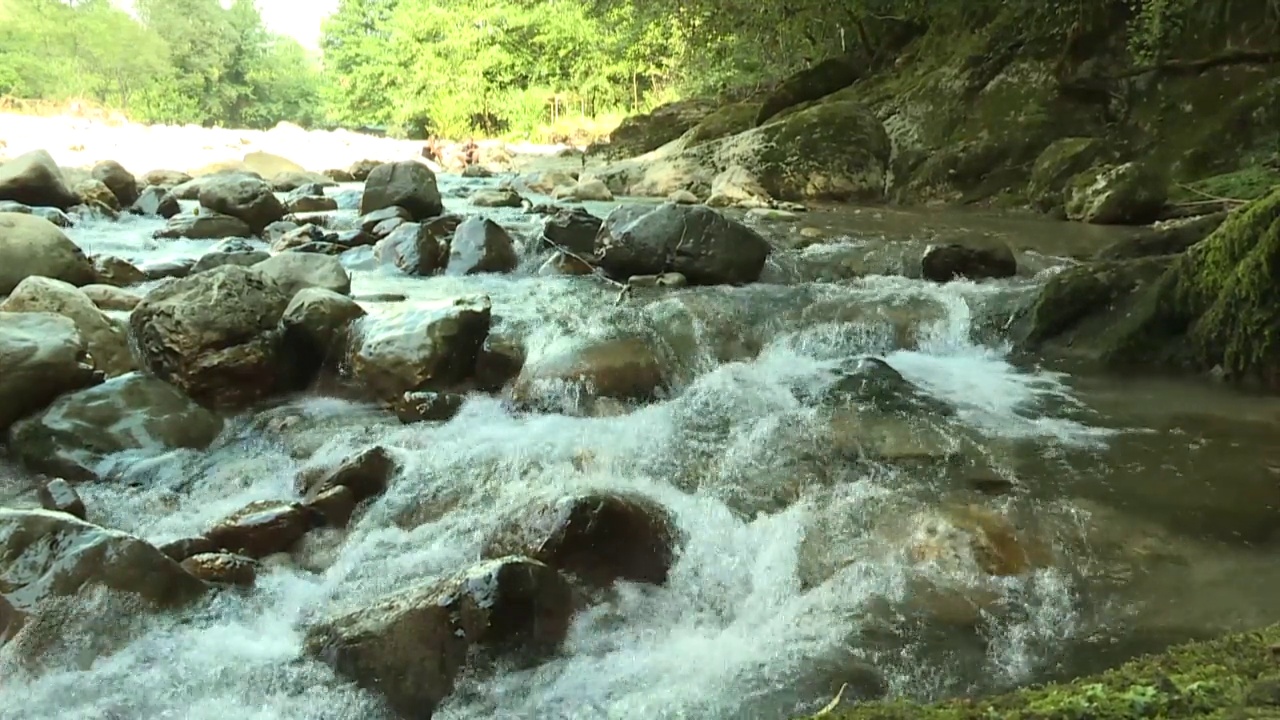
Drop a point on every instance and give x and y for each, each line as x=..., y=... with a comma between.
x=204, y=226
x=423, y=348
x=411, y=645
x=597, y=538
x=1133, y=193
x=107, y=339
x=131, y=412
x=696, y=241
x=34, y=179
x=216, y=336
x=410, y=185
x=296, y=271
x=245, y=197
x=573, y=229
x=47, y=555
x=43, y=356
x=481, y=245
x=119, y=181
x=30, y=245
x=418, y=248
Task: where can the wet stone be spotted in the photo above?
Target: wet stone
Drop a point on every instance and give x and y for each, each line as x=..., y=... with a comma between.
x=335, y=505
x=58, y=495
x=263, y=528
x=183, y=548
x=222, y=568
x=428, y=406
x=365, y=473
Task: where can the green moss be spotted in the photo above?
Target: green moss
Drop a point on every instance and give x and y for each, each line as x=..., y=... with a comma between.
x=1231, y=284
x=1233, y=678
x=831, y=151
x=728, y=120
x=1248, y=183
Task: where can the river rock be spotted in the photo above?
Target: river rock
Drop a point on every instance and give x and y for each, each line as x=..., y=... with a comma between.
x=43, y=356
x=246, y=198
x=46, y=555
x=598, y=538
x=420, y=249
x=222, y=568
x=121, y=182
x=1133, y=193
x=33, y=246
x=316, y=321
x=370, y=221
x=11, y=621
x=165, y=178
x=96, y=194
x=107, y=339
x=216, y=336
x=424, y=406
x=116, y=272
x=291, y=180
x=944, y=263
x=589, y=189
x=156, y=201
x=205, y=226
x=296, y=271
x=168, y=269
x=360, y=169
x=407, y=184
x=622, y=369
x=546, y=181
x=499, y=197
x=230, y=252
x=481, y=245
x=428, y=347
x=736, y=187
x=1062, y=160
x=34, y=179
x=299, y=203
x=263, y=528
x=574, y=229
x=693, y=240
x=53, y=215
x=366, y=474
x=411, y=645
x=57, y=495
x=499, y=362
x=131, y=412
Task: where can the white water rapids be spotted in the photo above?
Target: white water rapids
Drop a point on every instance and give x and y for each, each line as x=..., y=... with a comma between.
x=741, y=630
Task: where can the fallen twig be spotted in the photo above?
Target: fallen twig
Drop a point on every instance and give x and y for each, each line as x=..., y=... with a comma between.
x=1211, y=197
x=623, y=288
x=835, y=703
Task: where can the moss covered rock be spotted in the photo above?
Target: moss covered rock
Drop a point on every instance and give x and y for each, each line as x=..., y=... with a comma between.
x=1061, y=161
x=1236, y=677
x=728, y=120
x=1132, y=193
x=640, y=134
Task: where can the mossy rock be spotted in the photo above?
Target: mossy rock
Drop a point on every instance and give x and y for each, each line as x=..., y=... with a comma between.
x=1061, y=161
x=1232, y=678
x=1133, y=193
x=639, y=134
x=728, y=120
x=831, y=151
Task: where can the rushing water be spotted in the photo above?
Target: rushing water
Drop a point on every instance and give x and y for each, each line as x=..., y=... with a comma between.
x=800, y=572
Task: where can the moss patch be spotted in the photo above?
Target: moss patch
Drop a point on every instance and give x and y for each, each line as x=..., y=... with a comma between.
x=728, y=120
x=1234, y=678
x=1248, y=183
x=831, y=151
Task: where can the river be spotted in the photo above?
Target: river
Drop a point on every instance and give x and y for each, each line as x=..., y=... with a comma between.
x=1143, y=509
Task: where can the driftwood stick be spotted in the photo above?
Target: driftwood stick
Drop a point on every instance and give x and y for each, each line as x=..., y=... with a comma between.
x=1209, y=197
x=623, y=288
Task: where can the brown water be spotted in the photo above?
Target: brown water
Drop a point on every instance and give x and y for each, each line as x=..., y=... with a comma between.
x=1143, y=510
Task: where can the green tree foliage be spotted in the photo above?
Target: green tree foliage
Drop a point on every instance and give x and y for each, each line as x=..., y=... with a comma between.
x=179, y=61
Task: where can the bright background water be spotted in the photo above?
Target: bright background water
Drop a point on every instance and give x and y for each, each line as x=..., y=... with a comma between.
x=1155, y=499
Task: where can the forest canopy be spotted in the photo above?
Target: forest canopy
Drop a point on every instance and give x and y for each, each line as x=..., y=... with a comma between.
x=520, y=68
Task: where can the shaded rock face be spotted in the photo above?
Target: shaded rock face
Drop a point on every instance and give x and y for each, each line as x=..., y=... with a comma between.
x=597, y=538
x=420, y=249
x=215, y=336
x=1128, y=194
x=121, y=182
x=693, y=240
x=572, y=228
x=156, y=201
x=80, y=429
x=570, y=381
x=426, y=348
x=407, y=184
x=314, y=323
x=31, y=245
x=944, y=263
x=57, y=495
x=205, y=226
x=410, y=646
x=106, y=338
x=244, y=197
x=1057, y=165
x=46, y=555
x=481, y=245
x=34, y=179
x=43, y=356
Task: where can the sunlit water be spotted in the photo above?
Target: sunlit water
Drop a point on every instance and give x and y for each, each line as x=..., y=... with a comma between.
x=793, y=578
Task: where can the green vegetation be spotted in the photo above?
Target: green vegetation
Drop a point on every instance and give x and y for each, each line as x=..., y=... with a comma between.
x=1233, y=678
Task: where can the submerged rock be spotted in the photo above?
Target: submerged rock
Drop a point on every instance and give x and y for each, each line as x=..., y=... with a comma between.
x=598, y=538
x=46, y=555
x=216, y=336
x=30, y=245
x=43, y=356
x=411, y=645
x=131, y=412
x=424, y=348
x=366, y=474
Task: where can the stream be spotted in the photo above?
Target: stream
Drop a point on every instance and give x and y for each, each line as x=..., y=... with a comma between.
x=1131, y=513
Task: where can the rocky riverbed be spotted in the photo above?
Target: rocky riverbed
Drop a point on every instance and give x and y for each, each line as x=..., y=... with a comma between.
x=384, y=442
